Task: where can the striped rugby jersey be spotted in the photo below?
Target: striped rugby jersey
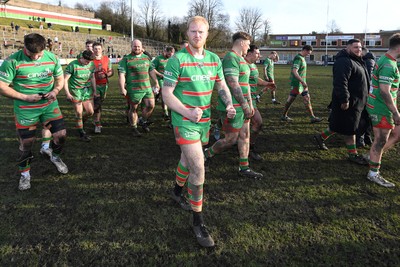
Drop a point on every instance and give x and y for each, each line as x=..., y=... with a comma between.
x=299, y=63
x=235, y=65
x=136, y=69
x=253, y=80
x=31, y=76
x=81, y=75
x=195, y=79
x=385, y=72
x=269, y=69
x=159, y=64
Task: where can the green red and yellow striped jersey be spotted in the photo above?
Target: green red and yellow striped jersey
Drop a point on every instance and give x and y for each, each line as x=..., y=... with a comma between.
x=81, y=75
x=31, y=76
x=269, y=69
x=253, y=80
x=299, y=63
x=235, y=65
x=136, y=69
x=385, y=72
x=159, y=64
x=195, y=79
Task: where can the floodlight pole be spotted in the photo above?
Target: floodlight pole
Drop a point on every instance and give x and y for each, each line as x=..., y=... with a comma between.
x=131, y=20
x=326, y=37
x=366, y=22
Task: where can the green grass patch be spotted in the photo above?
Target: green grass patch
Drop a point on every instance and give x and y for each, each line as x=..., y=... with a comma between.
x=313, y=208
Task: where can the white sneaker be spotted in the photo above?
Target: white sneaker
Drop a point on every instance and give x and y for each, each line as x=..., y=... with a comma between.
x=24, y=183
x=46, y=152
x=61, y=167
x=377, y=178
x=97, y=129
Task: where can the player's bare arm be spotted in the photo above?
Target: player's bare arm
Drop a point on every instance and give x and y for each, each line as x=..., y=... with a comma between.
x=7, y=91
x=193, y=114
x=226, y=97
x=296, y=74
x=154, y=78
x=66, y=88
x=236, y=90
x=121, y=83
x=58, y=86
x=93, y=81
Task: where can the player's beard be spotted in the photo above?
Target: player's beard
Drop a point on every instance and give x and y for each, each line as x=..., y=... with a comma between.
x=197, y=44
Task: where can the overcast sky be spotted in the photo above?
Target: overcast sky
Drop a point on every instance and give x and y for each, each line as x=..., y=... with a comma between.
x=301, y=16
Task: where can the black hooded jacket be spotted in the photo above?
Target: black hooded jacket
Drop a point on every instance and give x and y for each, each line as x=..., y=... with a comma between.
x=369, y=60
x=350, y=84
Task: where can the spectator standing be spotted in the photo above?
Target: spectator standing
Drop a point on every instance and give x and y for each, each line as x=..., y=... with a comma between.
x=349, y=96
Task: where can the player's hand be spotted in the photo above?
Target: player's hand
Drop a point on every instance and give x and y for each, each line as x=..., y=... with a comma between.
x=305, y=85
x=33, y=98
x=100, y=75
x=69, y=97
x=155, y=90
x=345, y=106
x=123, y=92
x=195, y=114
x=230, y=112
x=271, y=86
x=51, y=96
x=248, y=113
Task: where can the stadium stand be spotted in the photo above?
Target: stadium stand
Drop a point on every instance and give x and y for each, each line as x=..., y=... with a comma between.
x=119, y=46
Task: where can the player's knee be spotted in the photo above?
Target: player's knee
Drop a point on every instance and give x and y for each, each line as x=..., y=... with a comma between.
x=150, y=106
x=230, y=140
x=26, y=134
x=56, y=126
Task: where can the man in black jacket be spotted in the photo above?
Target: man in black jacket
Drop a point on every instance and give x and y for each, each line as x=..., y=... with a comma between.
x=349, y=96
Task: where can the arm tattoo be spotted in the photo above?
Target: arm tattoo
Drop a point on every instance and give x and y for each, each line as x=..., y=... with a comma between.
x=169, y=84
x=235, y=88
x=223, y=94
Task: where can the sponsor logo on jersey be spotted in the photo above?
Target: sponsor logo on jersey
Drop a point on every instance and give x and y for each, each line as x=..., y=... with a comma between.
x=385, y=78
x=140, y=65
x=189, y=134
x=85, y=75
x=24, y=121
x=200, y=78
x=4, y=74
x=42, y=74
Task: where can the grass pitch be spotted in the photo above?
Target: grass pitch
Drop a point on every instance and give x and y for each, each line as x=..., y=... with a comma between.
x=313, y=208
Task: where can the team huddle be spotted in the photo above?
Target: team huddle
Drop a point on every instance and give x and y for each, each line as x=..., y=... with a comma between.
x=185, y=81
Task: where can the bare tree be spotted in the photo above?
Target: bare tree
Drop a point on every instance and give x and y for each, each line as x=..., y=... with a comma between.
x=151, y=18
x=266, y=31
x=250, y=20
x=84, y=7
x=105, y=12
x=209, y=9
x=333, y=27
x=212, y=11
x=122, y=16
